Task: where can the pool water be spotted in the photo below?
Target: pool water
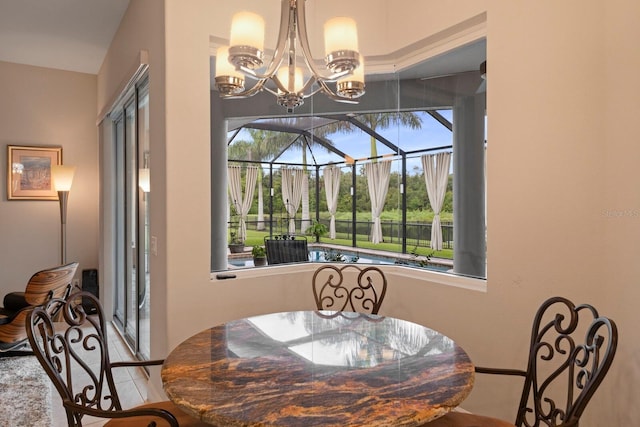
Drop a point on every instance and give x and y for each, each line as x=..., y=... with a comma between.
x=318, y=255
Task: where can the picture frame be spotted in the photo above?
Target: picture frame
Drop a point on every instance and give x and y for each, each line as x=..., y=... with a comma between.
x=29, y=172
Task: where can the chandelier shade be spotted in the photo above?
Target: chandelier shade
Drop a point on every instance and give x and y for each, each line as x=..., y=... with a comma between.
x=342, y=81
x=352, y=86
x=247, y=29
x=228, y=79
x=285, y=78
x=340, y=34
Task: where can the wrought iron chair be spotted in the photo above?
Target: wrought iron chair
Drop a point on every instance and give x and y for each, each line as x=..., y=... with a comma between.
x=571, y=350
x=76, y=358
x=333, y=290
x=284, y=248
x=43, y=286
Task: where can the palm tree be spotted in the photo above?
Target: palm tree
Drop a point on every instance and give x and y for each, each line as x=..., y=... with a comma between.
x=266, y=144
x=278, y=140
x=263, y=145
x=302, y=142
x=377, y=121
x=384, y=120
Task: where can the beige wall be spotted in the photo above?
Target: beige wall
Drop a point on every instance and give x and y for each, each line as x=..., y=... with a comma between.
x=48, y=107
x=563, y=198
x=140, y=38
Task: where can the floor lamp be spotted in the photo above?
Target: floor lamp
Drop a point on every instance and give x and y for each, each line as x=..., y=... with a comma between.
x=62, y=179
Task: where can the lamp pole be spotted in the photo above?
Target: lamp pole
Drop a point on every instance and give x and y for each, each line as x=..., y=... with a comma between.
x=63, y=196
x=62, y=179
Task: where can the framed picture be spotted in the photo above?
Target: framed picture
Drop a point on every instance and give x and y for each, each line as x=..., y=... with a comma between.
x=29, y=172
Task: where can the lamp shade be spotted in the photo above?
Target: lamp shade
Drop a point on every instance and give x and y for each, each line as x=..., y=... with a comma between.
x=283, y=76
x=340, y=34
x=247, y=29
x=357, y=75
x=144, y=180
x=223, y=66
x=62, y=176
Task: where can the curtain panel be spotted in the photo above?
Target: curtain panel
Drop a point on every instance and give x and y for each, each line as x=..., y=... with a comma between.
x=331, y=177
x=378, y=182
x=436, y=176
x=242, y=203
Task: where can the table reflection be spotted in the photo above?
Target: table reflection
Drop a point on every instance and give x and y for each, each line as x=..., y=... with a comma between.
x=336, y=339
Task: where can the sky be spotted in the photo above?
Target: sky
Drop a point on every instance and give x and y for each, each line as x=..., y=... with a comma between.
x=357, y=144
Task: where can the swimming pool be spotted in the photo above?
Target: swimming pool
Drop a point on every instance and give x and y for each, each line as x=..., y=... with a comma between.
x=334, y=255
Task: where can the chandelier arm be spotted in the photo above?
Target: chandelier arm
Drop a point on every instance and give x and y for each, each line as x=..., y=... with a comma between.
x=306, y=87
x=271, y=91
x=304, y=96
x=342, y=99
x=275, y=63
x=250, y=73
x=308, y=84
x=278, y=54
x=326, y=89
x=279, y=85
x=286, y=15
x=249, y=92
x=306, y=50
x=310, y=94
x=283, y=36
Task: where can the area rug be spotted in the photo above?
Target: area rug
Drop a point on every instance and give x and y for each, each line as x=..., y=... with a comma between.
x=25, y=393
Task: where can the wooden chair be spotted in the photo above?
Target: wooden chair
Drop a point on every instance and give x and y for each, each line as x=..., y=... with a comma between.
x=76, y=358
x=571, y=350
x=361, y=290
x=283, y=249
x=42, y=287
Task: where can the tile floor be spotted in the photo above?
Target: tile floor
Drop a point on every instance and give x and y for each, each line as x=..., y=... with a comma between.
x=131, y=383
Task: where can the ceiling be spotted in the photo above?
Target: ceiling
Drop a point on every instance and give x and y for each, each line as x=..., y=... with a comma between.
x=71, y=35
x=74, y=35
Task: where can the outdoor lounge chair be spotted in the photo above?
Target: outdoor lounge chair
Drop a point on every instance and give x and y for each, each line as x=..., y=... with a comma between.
x=286, y=248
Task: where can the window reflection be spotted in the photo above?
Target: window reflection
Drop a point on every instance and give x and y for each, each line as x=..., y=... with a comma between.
x=324, y=338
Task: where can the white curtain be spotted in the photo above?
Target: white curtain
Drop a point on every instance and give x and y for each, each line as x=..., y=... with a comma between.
x=242, y=204
x=378, y=181
x=292, y=180
x=332, y=187
x=260, y=224
x=306, y=217
x=436, y=176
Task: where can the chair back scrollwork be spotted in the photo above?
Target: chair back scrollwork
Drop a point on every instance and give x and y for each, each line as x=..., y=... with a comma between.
x=76, y=355
x=571, y=350
x=349, y=288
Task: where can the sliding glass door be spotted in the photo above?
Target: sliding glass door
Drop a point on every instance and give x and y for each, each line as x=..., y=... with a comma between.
x=131, y=137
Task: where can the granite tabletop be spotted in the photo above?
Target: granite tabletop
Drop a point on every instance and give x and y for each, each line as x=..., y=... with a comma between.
x=318, y=368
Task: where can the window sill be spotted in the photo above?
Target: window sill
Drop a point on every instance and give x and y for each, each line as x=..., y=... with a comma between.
x=412, y=273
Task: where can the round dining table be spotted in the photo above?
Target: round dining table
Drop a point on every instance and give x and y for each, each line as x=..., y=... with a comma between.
x=318, y=368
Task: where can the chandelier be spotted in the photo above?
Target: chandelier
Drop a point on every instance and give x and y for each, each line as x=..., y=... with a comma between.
x=245, y=58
